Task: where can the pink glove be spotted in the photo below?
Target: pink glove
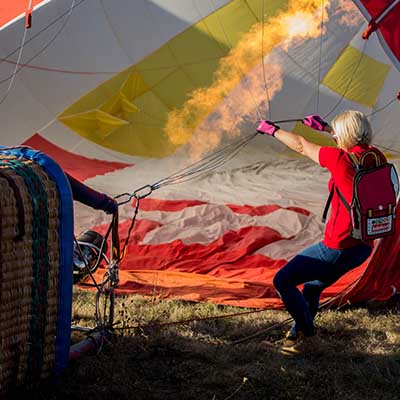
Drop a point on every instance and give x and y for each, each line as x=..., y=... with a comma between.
x=315, y=122
x=267, y=128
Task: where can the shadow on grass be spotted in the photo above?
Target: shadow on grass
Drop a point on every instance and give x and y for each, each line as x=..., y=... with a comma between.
x=194, y=364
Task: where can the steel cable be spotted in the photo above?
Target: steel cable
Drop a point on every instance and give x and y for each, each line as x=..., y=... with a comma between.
x=262, y=58
x=349, y=82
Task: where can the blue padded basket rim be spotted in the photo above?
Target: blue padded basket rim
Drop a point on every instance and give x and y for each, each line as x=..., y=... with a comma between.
x=66, y=234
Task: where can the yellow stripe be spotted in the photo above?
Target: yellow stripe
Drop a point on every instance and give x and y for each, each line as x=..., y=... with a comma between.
x=358, y=81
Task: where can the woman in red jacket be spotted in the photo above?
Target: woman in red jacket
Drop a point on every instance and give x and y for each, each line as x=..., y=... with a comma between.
x=322, y=264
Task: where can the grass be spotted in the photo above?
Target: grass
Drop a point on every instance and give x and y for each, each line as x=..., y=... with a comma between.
x=359, y=357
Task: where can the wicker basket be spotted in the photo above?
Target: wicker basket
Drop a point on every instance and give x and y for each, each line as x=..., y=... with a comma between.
x=29, y=271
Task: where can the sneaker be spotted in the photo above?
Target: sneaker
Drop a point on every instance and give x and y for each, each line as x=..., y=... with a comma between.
x=298, y=344
x=289, y=340
x=289, y=336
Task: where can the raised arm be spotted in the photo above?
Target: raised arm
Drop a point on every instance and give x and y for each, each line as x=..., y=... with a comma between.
x=294, y=141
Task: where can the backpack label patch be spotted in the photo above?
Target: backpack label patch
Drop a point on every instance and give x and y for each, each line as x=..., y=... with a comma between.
x=377, y=226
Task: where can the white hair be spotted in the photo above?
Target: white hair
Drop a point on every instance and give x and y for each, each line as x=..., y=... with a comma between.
x=351, y=128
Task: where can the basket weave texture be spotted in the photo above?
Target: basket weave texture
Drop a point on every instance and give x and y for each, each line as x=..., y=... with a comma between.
x=29, y=269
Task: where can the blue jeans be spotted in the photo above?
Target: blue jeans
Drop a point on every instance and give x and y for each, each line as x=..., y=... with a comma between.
x=317, y=267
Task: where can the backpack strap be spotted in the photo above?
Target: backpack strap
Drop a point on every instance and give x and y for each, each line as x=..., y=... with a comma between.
x=370, y=153
x=328, y=202
x=341, y=197
x=354, y=159
x=360, y=162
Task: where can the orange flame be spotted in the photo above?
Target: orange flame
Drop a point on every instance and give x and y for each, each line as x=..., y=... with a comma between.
x=238, y=90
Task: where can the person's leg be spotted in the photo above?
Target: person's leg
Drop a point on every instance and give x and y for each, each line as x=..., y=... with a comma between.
x=338, y=263
x=311, y=292
x=338, y=266
x=305, y=267
x=316, y=263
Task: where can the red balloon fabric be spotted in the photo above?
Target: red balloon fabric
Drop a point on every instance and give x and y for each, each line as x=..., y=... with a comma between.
x=386, y=15
x=229, y=271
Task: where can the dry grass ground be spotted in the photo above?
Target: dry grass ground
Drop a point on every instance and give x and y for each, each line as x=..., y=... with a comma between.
x=359, y=355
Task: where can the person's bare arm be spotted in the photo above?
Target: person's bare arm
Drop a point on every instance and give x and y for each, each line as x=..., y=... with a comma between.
x=299, y=144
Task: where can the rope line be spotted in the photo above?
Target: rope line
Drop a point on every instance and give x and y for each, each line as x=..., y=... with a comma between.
x=263, y=60
x=192, y=171
x=383, y=107
x=168, y=45
x=21, y=49
x=207, y=164
x=320, y=55
x=123, y=251
x=203, y=19
x=280, y=324
x=387, y=148
x=237, y=62
x=349, y=81
x=21, y=66
x=59, y=70
x=188, y=321
x=325, y=304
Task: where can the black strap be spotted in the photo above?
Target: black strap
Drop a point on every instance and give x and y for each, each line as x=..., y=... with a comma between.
x=346, y=204
x=328, y=202
x=354, y=160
